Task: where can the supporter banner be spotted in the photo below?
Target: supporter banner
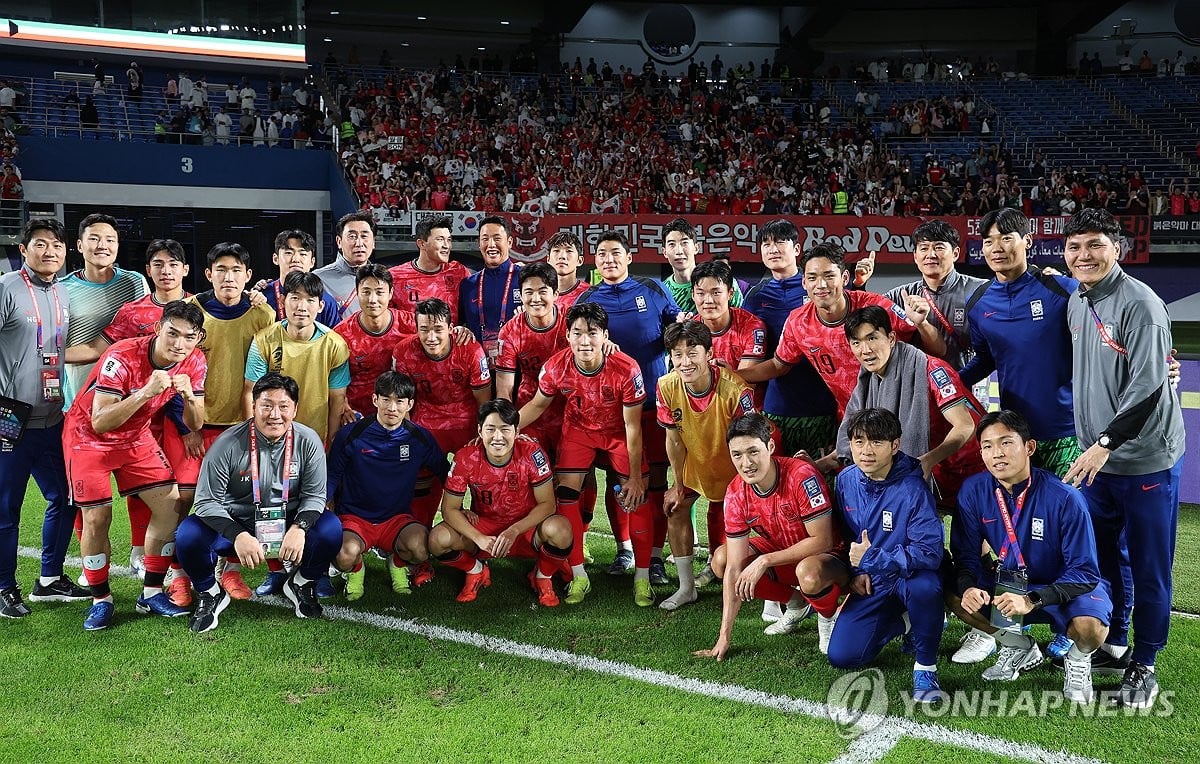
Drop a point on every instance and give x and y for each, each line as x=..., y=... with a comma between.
x=1175, y=229
x=463, y=223
x=1049, y=243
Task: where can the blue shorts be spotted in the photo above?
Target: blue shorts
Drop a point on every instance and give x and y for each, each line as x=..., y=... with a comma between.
x=1096, y=604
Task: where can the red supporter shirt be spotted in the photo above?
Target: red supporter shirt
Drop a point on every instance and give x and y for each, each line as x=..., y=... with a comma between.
x=124, y=369
x=445, y=400
x=805, y=335
x=502, y=493
x=946, y=389
x=135, y=319
x=566, y=299
x=371, y=354
x=744, y=339
x=799, y=496
x=410, y=285
x=595, y=402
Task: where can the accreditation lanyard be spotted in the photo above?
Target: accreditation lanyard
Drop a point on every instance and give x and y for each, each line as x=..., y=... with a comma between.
x=1010, y=524
x=37, y=312
x=936, y=311
x=279, y=302
x=286, y=481
x=503, y=299
x=1105, y=337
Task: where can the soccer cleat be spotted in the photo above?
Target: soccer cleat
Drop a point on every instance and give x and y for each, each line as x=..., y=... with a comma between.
x=422, y=573
x=473, y=583
x=180, y=590
x=643, y=595
x=679, y=599
x=325, y=587
x=235, y=586
x=578, y=589
x=100, y=616
x=545, y=592
x=1059, y=646
x=1106, y=664
x=159, y=604
x=926, y=688
x=11, y=604
x=1138, y=689
x=355, y=584
x=380, y=554
x=772, y=611
x=399, y=577
x=272, y=584
x=790, y=620
x=208, y=610
x=137, y=566
x=622, y=564
x=825, y=632
x=62, y=590
x=1012, y=661
x=705, y=577
x=658, y=572
x=974, y=647
x=587, y=554
x=1077, y=684
x=303, y=597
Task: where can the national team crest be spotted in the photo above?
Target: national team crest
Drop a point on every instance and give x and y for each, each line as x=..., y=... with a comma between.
x=1036, y=310
x=816, y=494
x=404, y=451
x=1038, y=528
x=640, y=302
x=959, y=317
x=887, y=519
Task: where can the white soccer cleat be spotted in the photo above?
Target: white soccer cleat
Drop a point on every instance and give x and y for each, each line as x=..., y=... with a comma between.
x=974, y=647
x=825, y=632
x=790, y=620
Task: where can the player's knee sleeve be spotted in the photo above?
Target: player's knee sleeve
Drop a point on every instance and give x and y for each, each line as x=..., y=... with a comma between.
x=564, y=493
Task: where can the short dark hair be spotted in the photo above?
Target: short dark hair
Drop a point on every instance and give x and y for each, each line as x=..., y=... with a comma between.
x=170, y=246
x=874, y=424
x=434, y=308
x=53, y=225
x=501, y=407
x=495, y=220
x=273, y=380
x=1093, y=220
x=352, y=217
x=831, y=251
x=593, y=315
x=96, y=218
x=426, y=226
x=228, y=249
x=306, y=240
x=299, y=281
x=395, y=383
x=713, y=269
x=184, y=310
x=679, y=225
x=1005, y=220
x=566, y=239
x=613, y=234
x=373, y=271
x=539, y=270
x=779, y=229
x=1006, y=417
x=872, y=315
x=752, y=425
x=691, y=333
x=935, y=231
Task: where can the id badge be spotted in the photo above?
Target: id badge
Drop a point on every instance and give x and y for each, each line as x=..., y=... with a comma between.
x=1009, y=582
x=51, y=386
x=491, y=345
x=49, y=359
x=269, y=527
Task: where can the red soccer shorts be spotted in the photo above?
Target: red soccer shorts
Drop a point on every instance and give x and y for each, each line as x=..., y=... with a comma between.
x=654, y=439
x=185, y=467
x=138, y=467
x=580, y=450
x=784, y=574
x=451, y=438
x=522, y=545
x=377, y=535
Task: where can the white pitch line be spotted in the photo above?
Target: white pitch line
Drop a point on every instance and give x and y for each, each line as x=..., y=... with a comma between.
x=872, y=746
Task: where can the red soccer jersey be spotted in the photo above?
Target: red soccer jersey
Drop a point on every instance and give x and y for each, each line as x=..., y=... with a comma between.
x=410, y=285
x=594, y=402
x=371, y=355
x=135, y=319
x=805, y=335
x=946, y=389
x=124, y=369
x=744, y=339
x=503, y=493
x=445, y=400
x=524, y=350
x=799, y=496
x=566, y=299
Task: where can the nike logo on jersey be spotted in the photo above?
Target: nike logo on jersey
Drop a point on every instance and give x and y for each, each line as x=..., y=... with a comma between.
x=989, y=314
x=368, y=451
x=987, y=520
x=1151, y=487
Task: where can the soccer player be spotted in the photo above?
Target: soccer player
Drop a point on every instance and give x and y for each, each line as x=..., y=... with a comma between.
x=373, y=469
x=939, y=413
x=1128, y=413
x=637, y=309
x=512, y=508
x=490, y=297
x=602, y=420
x=1047, y=557
x=107, y=433
x=31, y=370
x=307, y=351
x=432, y=273
x=695, y=403
x=371, y=334
x=565, y=255
x=794, y=552
x=269, y=462
x=356, y=243
x=886, y=508
x=739, y=338
x=296, y=250
x=680, y=248
x=814, y=330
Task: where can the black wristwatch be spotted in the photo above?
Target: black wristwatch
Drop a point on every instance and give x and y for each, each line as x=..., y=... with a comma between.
x=1034, y=598
x=1105, y=441
x=303, y=525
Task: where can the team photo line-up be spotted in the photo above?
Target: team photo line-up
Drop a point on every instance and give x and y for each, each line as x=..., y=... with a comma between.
x=303, y=422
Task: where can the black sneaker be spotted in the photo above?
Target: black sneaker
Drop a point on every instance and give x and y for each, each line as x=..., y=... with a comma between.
x=1103, y=663
x=11, y=604
x=658, y=572
x=1139, y=688
x=62, y=590
x=208, y=610
x=303, y=597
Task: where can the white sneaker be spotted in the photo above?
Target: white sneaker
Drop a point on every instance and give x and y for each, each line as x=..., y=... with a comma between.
x=1012, y=661
x=825, y=632
x=772, y=612
x=705, y=577
x=974, y=647
x=790, y=620
x=679, y=599
x=1077, y=682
